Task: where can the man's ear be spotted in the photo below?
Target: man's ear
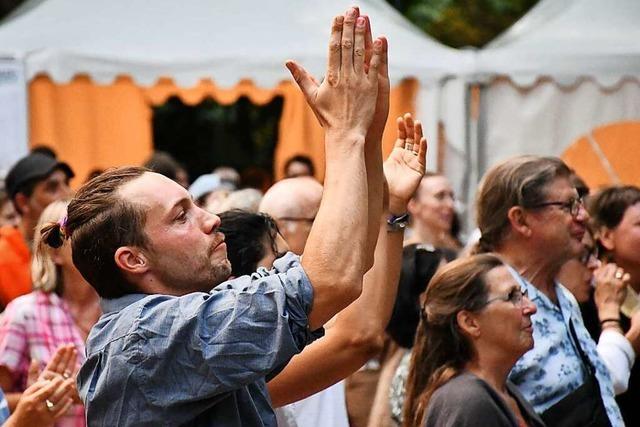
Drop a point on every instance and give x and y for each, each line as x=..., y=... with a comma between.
x=21, y=203
x=131, y=260
x=468, y=323
x=607, y=238
x=518, y=220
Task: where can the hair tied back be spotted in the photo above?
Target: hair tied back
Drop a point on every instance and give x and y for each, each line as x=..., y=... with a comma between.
x=55, y=233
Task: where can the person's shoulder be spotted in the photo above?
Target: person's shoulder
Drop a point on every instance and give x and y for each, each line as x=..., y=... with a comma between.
x=12, y=245
x=462, y=386
x=465, y=400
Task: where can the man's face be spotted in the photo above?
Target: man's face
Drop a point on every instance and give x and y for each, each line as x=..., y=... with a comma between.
x=52, y=188
x=554, y=228
x=186, y=252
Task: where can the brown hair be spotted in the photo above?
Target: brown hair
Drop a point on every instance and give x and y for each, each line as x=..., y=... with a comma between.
x=519, y=181
x=98, y=222
x=441, y=350
x=607, y=207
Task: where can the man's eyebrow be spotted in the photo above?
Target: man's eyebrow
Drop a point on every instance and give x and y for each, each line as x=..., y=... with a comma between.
x=183, y=201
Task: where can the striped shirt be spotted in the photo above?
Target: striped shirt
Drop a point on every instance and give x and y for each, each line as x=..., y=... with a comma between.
x=32, y=327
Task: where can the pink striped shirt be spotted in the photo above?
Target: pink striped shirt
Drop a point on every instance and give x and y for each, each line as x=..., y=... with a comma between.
x=32, y=327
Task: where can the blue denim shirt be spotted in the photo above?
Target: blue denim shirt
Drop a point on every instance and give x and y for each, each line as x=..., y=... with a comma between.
x=553, y=368
x=200, y=359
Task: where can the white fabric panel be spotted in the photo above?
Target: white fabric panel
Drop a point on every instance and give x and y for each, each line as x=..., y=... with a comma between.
x=567, y=39
x=545, y=120
x=13, y=114
x=193, y=39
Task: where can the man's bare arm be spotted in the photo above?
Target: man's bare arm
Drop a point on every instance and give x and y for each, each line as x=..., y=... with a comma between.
x=344, y=103
x=357, y=332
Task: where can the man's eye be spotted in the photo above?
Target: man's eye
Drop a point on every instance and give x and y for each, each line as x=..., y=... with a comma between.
x=181, y=216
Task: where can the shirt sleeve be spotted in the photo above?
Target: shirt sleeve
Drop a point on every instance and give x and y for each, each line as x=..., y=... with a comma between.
x=618, y=355
x=215, y=342
x=13, y=339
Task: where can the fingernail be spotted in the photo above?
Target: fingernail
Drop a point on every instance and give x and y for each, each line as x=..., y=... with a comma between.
x=351, y=12
x=360, y=21
x=377, y=43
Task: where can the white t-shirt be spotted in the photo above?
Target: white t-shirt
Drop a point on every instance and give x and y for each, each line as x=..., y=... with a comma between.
x=327, y=408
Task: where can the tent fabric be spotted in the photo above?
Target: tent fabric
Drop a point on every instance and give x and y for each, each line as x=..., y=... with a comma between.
x=569, y=40
x=547, y=119
x=98, y=126
x=605, y=156
x=197, y=39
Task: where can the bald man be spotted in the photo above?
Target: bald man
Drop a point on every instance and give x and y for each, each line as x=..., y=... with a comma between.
x=293, y=203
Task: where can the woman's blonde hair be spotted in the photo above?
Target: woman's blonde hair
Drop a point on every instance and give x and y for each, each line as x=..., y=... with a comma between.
x=45, y=273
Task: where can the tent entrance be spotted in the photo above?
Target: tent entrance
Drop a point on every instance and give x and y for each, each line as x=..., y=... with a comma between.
x=208, y=134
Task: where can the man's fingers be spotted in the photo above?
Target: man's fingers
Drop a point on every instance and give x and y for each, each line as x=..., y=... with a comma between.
x=383, y=69
x=368, y=43
x=417, y=133
x=408, y=122
x=374, y=66
x=422, y=152
x=306, y=84
x=359, y=47
x=402, y=133
x=335, y=50
x=348, y=29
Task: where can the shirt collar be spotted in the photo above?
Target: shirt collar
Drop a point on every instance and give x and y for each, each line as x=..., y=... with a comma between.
x=116, y=304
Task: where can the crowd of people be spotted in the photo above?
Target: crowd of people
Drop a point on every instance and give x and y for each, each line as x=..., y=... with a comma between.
x=141, y=299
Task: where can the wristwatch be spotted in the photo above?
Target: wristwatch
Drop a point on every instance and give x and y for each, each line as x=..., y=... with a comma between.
x=397, y=223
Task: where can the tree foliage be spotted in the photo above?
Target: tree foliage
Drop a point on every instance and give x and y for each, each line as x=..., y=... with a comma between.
x=461, y=23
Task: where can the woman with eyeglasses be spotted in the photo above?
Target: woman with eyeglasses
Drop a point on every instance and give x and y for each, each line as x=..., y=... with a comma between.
x=615, y=213
x=476, y=323
x=600, y=291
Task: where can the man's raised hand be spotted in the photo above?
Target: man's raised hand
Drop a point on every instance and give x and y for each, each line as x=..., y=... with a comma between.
x=346, y=99
x=406, y=165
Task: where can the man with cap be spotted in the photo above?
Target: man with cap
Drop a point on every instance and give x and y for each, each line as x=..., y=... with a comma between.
x=32, y=183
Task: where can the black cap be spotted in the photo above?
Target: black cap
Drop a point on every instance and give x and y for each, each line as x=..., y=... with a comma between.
x=32, y=167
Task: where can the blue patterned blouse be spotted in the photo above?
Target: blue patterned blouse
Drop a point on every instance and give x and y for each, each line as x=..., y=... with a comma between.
x=553, y=368
x=4, y=408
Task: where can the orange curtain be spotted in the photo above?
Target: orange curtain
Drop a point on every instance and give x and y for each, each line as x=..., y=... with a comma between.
x=98, y=126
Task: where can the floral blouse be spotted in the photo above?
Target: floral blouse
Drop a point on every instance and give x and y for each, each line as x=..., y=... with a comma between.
x=553, y=368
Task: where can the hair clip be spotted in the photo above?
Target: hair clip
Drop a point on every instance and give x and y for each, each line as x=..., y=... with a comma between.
x=62, y=225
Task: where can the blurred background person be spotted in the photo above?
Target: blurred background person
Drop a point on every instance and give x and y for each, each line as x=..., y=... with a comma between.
x=228, y=175
x=433, y=216
x=299, y=165
x=293, y=203
x=62, y=309
x=247, y=199
x=165, y=164
x=419, y=264
x=8, y=215
x=210, y=192
x=32, y=184
x=476, y=323
x=615, y=213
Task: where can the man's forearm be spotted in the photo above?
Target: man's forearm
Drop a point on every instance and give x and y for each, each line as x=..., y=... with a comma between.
x=375, y=192
x=336, y=247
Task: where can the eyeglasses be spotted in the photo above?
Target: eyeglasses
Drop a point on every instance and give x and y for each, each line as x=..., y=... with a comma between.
x=515, y=297
x=572, y=205
x=589, y=254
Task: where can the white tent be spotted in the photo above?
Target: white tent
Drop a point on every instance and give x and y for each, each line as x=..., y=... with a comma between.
x=565, y=68
x=194, y=39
